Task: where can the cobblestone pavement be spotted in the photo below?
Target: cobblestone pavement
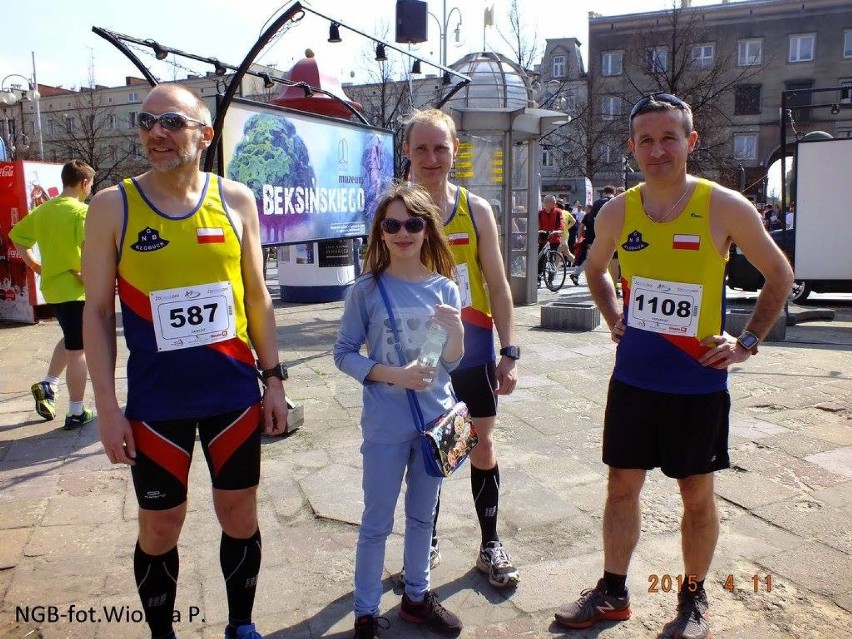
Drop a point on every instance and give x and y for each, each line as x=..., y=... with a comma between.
x=67, y=517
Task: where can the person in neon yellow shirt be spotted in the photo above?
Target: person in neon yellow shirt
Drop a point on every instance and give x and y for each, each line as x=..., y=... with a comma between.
x=57, y=227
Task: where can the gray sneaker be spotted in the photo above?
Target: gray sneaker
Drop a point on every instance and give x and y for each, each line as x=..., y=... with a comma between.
x=594, y=605
x=495, y=561
x=691, y=619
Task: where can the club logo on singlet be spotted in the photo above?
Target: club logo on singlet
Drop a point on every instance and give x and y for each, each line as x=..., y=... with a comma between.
x=635, y=242
x=148, y=240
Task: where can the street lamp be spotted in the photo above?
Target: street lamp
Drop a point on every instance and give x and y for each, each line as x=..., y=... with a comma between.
x=444, y=26
x=12, y=95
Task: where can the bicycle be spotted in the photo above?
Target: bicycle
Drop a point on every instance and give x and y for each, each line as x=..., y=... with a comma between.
x=555, y=267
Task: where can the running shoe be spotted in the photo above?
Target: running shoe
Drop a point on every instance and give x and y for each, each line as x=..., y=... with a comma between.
x=367, y=626
x=431, y=613
x=45, y=401
x=575, y=279
x=594, y=605
x=246, y=631
x=73, y=422
x=434, y=562
x=691, y=619
x=495, y=561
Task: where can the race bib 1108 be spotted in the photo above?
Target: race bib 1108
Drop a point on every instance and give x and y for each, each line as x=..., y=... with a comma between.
x=664, y=307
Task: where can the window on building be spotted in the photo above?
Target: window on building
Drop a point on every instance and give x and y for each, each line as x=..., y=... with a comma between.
x=605, y=153
x=69, y=123
x=610, y=107
x=802, y=47
x=658, y=59
x=845, y=83
x=847, y=43
x=112, y=122
x=51, y=127
x=800, y=101
x=54, y=156
x=113, y=153
x=749, y=52
x=747, y=99
x=131, y=120
x=547, y=159
x=702, y=55
x=611, y=62
x=745, y=146
x=568, y=100
x=558, y=68
x=844, y=133
x=133, y=96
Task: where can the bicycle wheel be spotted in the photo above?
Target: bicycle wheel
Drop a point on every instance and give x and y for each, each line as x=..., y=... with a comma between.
x=555, y=271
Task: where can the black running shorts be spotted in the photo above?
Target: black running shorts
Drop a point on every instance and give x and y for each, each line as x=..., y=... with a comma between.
x=683, y=435
x=70, y=318
x=231, y=445
x=475, y=386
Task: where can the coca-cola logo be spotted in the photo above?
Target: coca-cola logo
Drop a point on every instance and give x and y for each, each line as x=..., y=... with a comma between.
x=7, y=171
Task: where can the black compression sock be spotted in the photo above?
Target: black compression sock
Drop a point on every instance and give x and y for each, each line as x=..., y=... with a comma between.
x=156, y=582
x=485, y=485
x=240, y=559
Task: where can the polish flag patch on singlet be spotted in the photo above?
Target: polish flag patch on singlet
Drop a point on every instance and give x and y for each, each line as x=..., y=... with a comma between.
x=210, y=235
x=456, y=239
x=686, y=242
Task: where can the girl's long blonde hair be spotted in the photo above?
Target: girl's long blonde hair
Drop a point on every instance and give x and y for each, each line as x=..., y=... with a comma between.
x=435, y=252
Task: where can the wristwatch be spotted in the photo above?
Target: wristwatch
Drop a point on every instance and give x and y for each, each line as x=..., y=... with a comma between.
x=512, y=352
x=276, y=371
x=748, y=341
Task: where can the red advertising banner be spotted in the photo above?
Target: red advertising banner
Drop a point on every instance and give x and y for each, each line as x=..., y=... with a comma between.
x=23, y=186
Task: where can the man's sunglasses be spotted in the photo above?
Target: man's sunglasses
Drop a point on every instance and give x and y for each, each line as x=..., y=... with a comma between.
x=668, y=98
x=412, y=225
x=169, y=121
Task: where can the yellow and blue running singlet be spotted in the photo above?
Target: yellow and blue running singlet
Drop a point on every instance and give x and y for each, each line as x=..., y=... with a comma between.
x=182, y=300
x=461, y=233
x=674, y=296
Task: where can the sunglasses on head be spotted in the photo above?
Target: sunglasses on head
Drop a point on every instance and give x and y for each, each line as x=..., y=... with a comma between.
x=412, y=225
x=169, y=121
x=668, y=98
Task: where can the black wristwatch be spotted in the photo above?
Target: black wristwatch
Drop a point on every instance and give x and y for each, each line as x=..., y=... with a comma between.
x=748, y=341
x=276, y=371
x=512, y=352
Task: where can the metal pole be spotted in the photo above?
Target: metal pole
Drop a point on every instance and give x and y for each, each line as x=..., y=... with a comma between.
x=444, y=35
x=38, y=113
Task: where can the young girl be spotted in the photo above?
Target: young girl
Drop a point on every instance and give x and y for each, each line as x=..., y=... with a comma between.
x=408, y=253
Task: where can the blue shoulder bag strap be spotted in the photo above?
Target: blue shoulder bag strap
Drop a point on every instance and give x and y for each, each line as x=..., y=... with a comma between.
x=413, y=404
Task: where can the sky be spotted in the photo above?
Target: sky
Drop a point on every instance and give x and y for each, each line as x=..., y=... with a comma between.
x=68, y=53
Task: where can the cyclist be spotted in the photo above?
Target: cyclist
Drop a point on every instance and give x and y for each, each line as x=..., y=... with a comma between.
x=551, y=225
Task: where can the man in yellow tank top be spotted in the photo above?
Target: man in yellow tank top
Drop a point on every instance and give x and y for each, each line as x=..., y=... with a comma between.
x=430, y=143
x=668, y=402
x=184, y=248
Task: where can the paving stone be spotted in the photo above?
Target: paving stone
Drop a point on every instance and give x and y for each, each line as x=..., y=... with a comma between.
x=751, y=489
x=12, y=548
x=813, y=566
x=837, y=461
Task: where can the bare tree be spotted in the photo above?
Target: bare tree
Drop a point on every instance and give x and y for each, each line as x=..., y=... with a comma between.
x=526, y=49
x=90, y=130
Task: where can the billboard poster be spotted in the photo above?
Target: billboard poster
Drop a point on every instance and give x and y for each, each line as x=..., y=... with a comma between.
x=23, y=186
x=313, y=178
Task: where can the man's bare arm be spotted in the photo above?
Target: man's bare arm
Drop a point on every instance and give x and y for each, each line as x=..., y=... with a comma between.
x=28, y=255
x=608, y=225
x=100, y=254
x=500, y=297
x=259, y=311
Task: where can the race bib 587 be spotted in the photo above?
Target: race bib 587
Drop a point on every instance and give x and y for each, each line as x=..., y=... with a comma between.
x=193, y=316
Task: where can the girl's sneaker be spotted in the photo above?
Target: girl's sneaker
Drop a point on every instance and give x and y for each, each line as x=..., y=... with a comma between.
x=432, y=613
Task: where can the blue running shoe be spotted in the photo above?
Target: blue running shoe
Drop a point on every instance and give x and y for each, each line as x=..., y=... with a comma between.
x=45, y=402
x=246, y=631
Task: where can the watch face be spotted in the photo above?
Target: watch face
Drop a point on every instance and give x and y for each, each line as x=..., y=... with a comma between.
x=512, y=352
x=748, y=341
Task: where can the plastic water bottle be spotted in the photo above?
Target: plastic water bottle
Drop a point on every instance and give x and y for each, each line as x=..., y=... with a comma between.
x=433, y=345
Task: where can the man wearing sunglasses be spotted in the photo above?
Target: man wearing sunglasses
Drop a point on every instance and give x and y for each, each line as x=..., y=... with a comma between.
x=430, y=143
x=184, y=247
x=668, y=402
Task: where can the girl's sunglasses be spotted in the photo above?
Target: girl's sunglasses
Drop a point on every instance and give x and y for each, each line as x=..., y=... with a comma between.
x=412, y=225
x=169, y=121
